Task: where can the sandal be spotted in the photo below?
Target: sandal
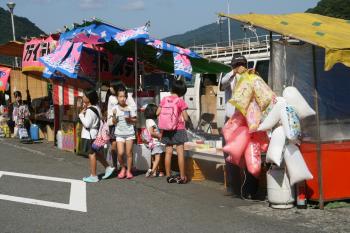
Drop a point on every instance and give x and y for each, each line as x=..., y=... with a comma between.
x=122, y=174
x=180, y=180
x=171, y=179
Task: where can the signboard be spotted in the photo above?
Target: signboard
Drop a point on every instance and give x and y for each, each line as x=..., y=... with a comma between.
x=33, y=50
x=4, y=76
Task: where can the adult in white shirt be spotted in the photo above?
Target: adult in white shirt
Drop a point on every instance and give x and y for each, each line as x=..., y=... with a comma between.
x=90, y=119
x=227, y=84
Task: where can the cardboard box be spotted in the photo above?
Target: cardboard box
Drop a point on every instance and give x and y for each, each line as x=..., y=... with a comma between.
x=50, y=133
x=211, y=90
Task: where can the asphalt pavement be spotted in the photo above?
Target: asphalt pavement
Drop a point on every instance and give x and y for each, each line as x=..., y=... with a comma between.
x=137, y=205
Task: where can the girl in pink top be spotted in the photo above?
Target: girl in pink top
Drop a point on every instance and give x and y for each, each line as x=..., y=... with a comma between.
x=178, y=136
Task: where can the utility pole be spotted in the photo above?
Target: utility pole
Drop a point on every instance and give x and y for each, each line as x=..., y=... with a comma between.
x=229, y=22
x=11, y=5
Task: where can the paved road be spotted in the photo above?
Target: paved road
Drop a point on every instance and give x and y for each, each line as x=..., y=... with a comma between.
x=139, y=205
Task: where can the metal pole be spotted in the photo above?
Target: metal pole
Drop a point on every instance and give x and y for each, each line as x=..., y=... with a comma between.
x=271, y=64
x=229, y=22
x=11, y=6
x=13, y=26
x=318, y=133
x=135, y=73
x=99, y=75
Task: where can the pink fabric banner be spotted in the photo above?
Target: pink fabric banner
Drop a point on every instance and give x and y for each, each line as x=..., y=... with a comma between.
x=4, y=76
x=33, y=50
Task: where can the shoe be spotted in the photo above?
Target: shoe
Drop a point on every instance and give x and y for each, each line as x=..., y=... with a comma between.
x=109, y=171
x=149, y=173
x=129, y=175
x=161, y=174
x=122, y=174
x=171, y=179
x=180, y=180
x=90, y=179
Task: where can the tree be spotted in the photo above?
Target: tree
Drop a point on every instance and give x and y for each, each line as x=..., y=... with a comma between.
x=333, y=8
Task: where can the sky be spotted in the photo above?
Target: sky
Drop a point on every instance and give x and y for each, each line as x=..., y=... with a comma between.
x=168, y=17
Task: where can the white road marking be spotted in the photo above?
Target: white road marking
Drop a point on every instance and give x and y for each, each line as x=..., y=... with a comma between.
x=23, y=148
x=77, y=200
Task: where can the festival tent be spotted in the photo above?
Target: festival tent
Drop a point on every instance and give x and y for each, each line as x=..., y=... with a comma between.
x=12, y=48
x=134, y=42
x=326, y=32
x=317, y=64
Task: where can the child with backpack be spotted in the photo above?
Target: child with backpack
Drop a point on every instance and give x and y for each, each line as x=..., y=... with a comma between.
x=124, y=117
x=151, y=137
x=172, y=116
x=91, y=121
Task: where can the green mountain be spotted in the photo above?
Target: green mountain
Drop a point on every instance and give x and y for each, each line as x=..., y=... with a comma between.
x=23, y=28
x=333, y=8
x=212, y=33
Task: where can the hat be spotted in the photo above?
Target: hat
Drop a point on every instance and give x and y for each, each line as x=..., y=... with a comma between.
x=237, y=60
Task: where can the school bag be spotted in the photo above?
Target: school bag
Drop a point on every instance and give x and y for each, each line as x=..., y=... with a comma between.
x=102, y=137
x=147, y=138
x=169, y=114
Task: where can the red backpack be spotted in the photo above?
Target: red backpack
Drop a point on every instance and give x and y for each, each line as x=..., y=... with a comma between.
x=169, y=115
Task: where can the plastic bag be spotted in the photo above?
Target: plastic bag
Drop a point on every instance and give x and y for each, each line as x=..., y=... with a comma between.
x=242, y=93
x=262, y=138
x=296, y=166
x=297, y=101
x=253, y=116
x=232, y=124
x=274, y=114
x=274, y=152
x=262, y=92
x=252, y=156
x=268, y=109
x=290, y=122
x=237, y=146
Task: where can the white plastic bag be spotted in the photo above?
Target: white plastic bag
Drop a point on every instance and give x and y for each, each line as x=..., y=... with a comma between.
x=274, y=115
x=274, y=152
x=297, y=101
x=290, y=122
x=296, y=166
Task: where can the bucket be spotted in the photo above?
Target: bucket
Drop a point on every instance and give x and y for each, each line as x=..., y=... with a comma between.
x=34, y=132
x=279, y=192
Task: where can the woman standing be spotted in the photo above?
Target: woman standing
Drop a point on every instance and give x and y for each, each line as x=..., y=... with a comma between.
x=90, y=118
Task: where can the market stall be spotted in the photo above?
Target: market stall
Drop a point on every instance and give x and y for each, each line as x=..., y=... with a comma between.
x=131, y=54
x=39, y=89
x=317, y=64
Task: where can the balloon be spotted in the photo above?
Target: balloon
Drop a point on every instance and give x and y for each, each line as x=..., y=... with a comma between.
x=252, y=156
x=239, y=142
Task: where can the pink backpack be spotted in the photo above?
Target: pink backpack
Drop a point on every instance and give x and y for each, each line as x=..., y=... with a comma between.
x=147, y=138
x=102, y=137
x=169, y=114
